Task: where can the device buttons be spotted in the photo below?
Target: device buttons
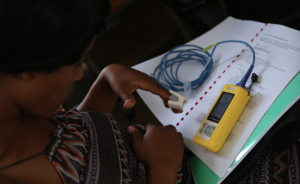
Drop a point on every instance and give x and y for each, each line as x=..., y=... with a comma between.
x=207, y=129
x=201, y=131
x=212, y=129
x=203, y=127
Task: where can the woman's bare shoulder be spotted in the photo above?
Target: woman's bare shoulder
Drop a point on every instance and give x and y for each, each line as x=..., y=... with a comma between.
x=35, y=171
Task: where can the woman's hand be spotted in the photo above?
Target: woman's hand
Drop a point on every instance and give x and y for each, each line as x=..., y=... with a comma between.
x=125, y=80
x=118, y=80
x=161, y=150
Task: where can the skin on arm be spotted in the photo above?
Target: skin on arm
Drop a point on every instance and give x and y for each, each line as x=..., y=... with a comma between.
x=120, y=81
x=100, y=97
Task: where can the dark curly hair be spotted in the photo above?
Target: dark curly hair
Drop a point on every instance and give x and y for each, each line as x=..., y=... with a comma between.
x=43, y=35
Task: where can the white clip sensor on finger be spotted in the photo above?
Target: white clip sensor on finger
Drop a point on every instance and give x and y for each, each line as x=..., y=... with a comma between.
x=177, y=101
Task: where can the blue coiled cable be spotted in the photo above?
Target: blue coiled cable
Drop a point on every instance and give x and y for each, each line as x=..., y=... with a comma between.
x=192, y=53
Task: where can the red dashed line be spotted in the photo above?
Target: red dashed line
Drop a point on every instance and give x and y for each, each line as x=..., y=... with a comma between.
x=218, y=78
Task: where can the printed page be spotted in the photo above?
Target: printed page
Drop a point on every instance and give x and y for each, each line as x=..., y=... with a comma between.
x=277, y=51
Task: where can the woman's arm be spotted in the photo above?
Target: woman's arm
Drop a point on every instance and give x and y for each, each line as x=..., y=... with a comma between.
x=100, y=97
x=118, y=80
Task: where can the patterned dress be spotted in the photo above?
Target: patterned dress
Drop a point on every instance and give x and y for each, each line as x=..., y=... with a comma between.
x=276, y=167
x=92, y=148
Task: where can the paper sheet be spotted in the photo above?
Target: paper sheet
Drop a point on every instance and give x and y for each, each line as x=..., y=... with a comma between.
x=277, y=53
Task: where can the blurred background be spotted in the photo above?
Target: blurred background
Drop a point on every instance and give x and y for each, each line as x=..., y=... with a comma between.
x=138, y=30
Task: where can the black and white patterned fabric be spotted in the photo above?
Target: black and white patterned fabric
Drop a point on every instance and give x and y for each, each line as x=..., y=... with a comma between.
x=92, y=148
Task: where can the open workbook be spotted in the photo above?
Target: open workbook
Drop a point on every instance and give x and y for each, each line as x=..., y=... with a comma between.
x=277, y=62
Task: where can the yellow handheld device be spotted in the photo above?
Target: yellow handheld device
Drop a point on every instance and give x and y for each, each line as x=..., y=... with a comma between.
x=222, y=117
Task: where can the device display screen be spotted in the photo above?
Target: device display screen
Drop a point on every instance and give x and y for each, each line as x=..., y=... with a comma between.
x=220, y=107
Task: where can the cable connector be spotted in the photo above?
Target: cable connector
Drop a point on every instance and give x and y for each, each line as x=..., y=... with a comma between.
x=187, y=89
x=243, y=82
x=177, y=101
x=254, y=78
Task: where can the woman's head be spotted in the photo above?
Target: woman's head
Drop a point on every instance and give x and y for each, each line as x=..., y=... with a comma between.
x=42, y=35
x=42, y=43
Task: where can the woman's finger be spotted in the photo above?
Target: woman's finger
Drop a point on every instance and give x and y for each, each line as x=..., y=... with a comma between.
x=176, y=111
x=126, y=95
x=171, y=128
x=166, y=103
x=155, y=88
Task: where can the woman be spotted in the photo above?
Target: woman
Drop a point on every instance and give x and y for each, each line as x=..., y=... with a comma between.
x=42, y=45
